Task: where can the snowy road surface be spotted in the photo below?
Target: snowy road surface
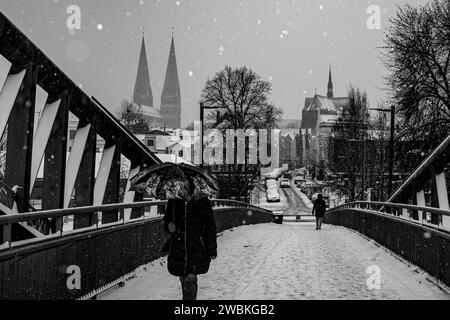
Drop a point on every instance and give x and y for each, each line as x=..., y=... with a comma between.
x=295, y=204
x=289, y=261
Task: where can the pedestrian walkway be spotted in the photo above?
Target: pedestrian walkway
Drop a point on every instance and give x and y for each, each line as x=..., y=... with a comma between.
x=290, y=261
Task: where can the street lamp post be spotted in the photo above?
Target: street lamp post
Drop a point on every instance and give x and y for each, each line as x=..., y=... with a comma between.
x=391, y=145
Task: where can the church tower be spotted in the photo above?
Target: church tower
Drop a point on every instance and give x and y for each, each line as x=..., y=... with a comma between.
x=330, y=85
x=142, y=90
x=170, y=97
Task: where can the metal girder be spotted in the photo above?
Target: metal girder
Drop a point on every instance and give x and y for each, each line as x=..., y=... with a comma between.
x=20, y=51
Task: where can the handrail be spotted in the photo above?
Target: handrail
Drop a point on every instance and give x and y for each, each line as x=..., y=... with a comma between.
x=239, y=204
x=7, y=221
x=421, y=221
x=393, y=205
x=56, y=213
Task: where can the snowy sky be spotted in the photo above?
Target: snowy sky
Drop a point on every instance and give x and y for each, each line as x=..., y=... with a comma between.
x=288, y=42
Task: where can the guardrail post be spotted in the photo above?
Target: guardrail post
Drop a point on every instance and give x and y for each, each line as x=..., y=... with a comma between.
x=7, y=234
x=136, y=212
x=434, y=202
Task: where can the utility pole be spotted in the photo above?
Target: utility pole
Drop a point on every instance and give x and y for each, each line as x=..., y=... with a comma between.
x=391, y=151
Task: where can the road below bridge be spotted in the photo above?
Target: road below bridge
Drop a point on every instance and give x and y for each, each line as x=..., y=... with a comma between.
x=291, y=261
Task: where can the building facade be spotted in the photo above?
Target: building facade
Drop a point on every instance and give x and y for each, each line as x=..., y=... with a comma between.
x=318, y=117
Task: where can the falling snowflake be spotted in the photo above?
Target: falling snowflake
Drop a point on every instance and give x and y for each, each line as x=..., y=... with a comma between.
x=258, y=21
x=190, y=73
x=178, y=3
x=99, y=26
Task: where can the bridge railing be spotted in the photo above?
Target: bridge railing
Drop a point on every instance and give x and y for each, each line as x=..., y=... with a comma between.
x=402, y=211
x=150, y=210
x=402, y=228
x=81, y=263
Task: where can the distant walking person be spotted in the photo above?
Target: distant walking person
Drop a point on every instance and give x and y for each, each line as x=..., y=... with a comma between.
x=319, y=209
x=192, y=244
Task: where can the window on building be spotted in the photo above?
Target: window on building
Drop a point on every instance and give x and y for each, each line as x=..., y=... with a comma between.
x=150, y=143
x=72, y=134
x=180, y=153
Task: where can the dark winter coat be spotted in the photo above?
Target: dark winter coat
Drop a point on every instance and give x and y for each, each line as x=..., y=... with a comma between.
x=193, y=243
x=319, y=208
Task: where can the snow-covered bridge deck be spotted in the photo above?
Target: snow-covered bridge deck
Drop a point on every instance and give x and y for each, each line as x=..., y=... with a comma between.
x=291, y=261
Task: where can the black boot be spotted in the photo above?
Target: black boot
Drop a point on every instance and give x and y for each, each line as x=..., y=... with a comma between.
x=189, y=286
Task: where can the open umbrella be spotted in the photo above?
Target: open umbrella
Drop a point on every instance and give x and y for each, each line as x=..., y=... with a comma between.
x=169, y=180
x=206, y=182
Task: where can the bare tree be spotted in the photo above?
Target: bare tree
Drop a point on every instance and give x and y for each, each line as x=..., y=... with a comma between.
x=243, y=99
x=417, y=56
x=131, y=116
x=345, y=153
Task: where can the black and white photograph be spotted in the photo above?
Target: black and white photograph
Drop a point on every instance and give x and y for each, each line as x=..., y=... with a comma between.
x=218, y=157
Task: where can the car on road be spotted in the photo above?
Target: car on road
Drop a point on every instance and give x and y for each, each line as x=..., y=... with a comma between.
x=298, y=180
x=285, y=183
x=273, y=197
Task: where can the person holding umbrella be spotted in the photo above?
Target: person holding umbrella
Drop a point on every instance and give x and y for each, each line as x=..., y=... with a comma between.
x=189, y=219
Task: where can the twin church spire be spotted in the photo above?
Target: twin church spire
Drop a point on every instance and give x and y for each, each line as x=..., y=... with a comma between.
x=170, y=108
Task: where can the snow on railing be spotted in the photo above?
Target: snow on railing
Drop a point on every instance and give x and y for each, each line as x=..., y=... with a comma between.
x=400, y=211
x=59, y=214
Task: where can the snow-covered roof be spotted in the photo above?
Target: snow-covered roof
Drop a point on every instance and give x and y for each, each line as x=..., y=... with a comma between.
x=329, y=105
x=162, y=142
x=150, y=111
